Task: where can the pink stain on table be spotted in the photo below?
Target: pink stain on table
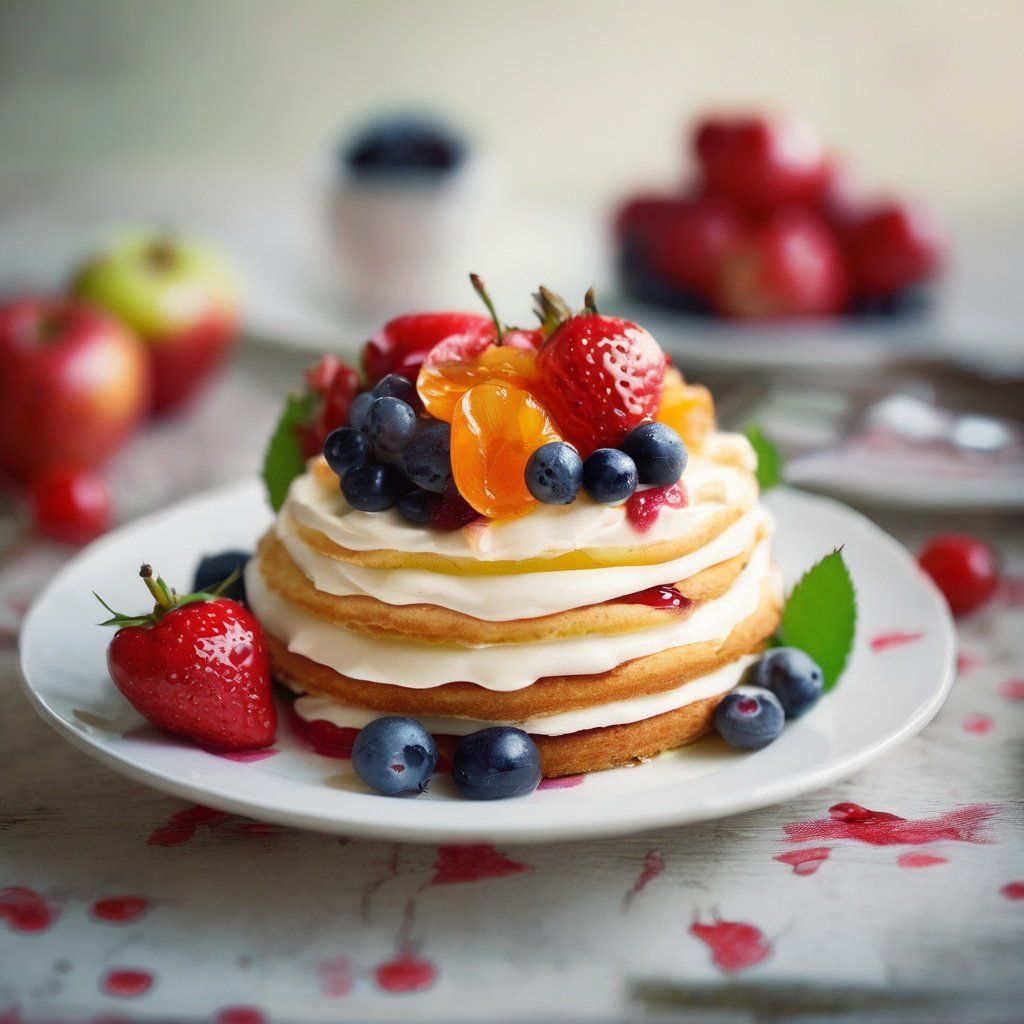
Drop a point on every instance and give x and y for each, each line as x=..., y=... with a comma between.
x=184, y=825
x=335, y=976
x=472, y=864
x=405, y=974
x=967, y=662
x=565, y=782
x=734, y=945
x=1012, y=689
x=920, y=860
x=804, y=862
x=1013, y=891
x=879, y=828
x=977, y=725
x=126, y=982
x=25, y=910
x=240, y=1015
x=653, y=866
x=884, y=641
x=118, y=909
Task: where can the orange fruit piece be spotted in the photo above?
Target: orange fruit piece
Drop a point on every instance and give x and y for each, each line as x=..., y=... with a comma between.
x=688, y=409
x=442, y=385
x=496, y=427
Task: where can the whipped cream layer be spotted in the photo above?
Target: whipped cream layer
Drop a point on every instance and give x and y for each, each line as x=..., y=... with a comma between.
x=498, y=667
x=521, y=596
x=620, y=712
x=547, y=531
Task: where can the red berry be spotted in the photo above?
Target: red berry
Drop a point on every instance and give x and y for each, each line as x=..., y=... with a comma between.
x=963, y=568
x=335, y=385
x=602, y=376
x=787, y=266
x=450, y=510
x=70, y=505
x=892, y=247
x=760, y=163
x=200, y=669
x=402, y=344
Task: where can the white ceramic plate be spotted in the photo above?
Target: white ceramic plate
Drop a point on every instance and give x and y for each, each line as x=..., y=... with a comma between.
x=884, y=698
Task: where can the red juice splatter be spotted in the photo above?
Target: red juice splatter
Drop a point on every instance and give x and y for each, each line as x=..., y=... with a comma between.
x=244, y=756
x=805, y=862
x=878, y=828
x=966, y=662
x=920, y=860
x=322, y=737
x=977, y=725
x=335, y=977
x=404, y=974
x=240, y=1015
x=118, y=909
x=126, y=982
x=655, y=597
x=1012, y=689
x=563, y=782
x=734, y=945
x=473, y=863
x=25, y=910
x=884, y=641
x=643, y=507
x=183, y=826
x=1013, y=891
x=653, y=866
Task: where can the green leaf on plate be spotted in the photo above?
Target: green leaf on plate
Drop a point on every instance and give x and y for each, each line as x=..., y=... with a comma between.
x=820, y=616
x=769, y=462
x=284, y=460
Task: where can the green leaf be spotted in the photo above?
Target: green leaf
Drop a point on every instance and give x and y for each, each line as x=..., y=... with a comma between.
x=284, y=460
x=820, y=616
x=769, y=462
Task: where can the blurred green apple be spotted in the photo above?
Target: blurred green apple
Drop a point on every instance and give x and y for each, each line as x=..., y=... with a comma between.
x=179, y=296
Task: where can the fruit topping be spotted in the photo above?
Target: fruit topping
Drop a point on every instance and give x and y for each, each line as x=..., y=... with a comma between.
x=496, y=763
x=554, y=473
x=496, y=427
x=213, y=570
x=395, y=756
x=658, y=451
x=792, y=675
x=414, y=507
x=394, y=385
x=372, y=487
x=609, y=475
x=643, y=507
x=332, y=387
x=749, y=717
x=71, y=505
x=196, y=665
x=345, y=448
x=601, y=375
x=656, y=597
x=428, y=458
x=390, y=424
x=964, y=568
x=688, y=409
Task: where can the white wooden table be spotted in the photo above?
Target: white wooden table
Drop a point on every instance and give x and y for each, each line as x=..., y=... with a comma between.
x=120, y=903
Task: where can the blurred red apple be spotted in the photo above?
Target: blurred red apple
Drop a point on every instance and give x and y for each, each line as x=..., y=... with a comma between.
x=178, y=295
x=73, y=384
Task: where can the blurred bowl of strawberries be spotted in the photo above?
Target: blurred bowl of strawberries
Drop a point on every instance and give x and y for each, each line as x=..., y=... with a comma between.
x=773, y=228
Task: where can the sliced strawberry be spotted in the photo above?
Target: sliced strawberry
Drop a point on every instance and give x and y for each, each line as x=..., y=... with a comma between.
x=402, y=344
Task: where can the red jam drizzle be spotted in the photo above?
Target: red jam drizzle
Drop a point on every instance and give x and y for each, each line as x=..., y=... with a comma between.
x=643, y=507
x=655, y=597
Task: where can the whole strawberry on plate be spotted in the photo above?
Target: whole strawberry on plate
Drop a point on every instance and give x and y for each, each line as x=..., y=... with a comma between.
x=196, y=665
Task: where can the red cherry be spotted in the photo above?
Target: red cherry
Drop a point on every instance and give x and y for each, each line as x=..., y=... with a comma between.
x=893, y=246
x=760, y=162
x=789, y=265
x=70, y=505
x=964, y=568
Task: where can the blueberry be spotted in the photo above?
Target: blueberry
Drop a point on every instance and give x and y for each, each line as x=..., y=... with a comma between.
x=359, y=408
x=428, y=458
x=372, y=487
x=215, y=569
x=415, y=507
x=345, y=448
x=403, y=145
x=793, y=676
x=554, y=473
x=394, y=385
x=609, y=475
x=394, y=756
x=390, y=424
x=496, y=763
x=658, y=451
x=749, y=717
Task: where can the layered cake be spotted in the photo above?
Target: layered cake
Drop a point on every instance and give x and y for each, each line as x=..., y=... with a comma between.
x=608, y=630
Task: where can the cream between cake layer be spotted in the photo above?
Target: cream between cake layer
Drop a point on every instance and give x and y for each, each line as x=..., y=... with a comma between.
x=619, y=712
x=548, y=529
x=498, y=667
x=522, y=596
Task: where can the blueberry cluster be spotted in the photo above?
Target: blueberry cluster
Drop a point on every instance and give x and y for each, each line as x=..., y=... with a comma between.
x=784, y=684
x=388, y=455
x=652, y=453
x=396, y=756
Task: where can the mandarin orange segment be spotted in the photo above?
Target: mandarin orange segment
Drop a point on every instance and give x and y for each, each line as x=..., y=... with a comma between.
x=442, y=385
x=496, y=427
x=688, y=409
